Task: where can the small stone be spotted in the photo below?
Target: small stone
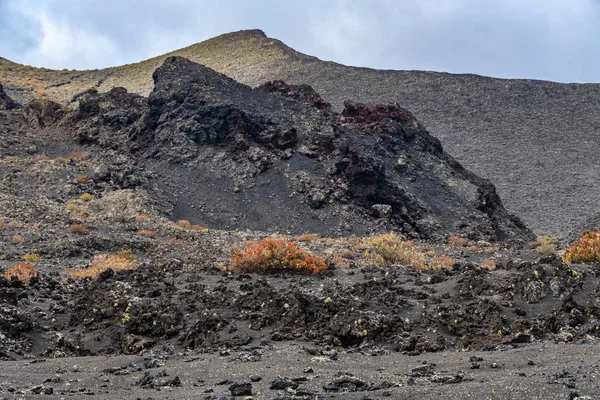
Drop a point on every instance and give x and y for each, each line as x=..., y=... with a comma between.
x=255, y=378
x=530, y=362
x=309, y=370
x=494, y=365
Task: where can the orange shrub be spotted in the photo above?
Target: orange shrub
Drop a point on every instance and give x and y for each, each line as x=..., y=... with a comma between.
x=21, y=271
x=78, y=228
x=489, y=264
x=458, y=241
x=77, y=155
x=273, y=254
x=82, y=178
x=142, y=217
x=442, y=262
x=199, y=228
x=175, y=240
x=42, y=157
x=147, y=233
x=185, y=224
x=586, y=249
x=1, y=223
x=124, y=260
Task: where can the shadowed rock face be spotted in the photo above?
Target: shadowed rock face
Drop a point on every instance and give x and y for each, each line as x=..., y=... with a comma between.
x=277, y=159
x=6, y=103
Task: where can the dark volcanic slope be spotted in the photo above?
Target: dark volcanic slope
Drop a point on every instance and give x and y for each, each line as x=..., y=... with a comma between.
x=534, y=140
x=225, y=155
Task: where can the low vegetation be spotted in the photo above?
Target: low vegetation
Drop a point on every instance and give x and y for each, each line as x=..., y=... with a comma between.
x=389, y=249
x=20, y=271
x=586, y=249
x=78, y=229
x=123, y=260
x=275, y=254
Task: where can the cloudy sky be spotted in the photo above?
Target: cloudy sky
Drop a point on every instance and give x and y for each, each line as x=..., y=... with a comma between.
x=542, y=39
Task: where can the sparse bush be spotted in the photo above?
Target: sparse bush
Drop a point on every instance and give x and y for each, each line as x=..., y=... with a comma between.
x=142, y=218
x=175, y=240
x=124, y=260
x=86, y=197
x=74, y=207
x=442, y=262
x=78, y=228
x=458, y=241
x=39, y=158
x=82, y=179
x=32, y=257
x=586, y=249
x=488, y=264
x=21, y=271
x=308, y=237
x=77, y=155
x=17, y=239
x=199, y=228
x=389, y=249
x=273, y=254
x=185, y=224
x=1, y=224
x=348, y=254
x=545, y=245
x=147, y=233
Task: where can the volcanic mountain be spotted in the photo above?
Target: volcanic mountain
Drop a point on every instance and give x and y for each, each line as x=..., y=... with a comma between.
x=533, y=139
x=277, y=158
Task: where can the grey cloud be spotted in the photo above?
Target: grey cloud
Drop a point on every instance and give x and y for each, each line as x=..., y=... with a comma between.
x=541, y=39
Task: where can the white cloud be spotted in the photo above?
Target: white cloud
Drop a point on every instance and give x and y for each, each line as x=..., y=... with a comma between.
x=63, y=45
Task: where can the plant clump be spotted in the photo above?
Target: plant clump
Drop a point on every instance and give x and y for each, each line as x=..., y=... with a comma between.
x=147, y=233
x=274, y=254
x=32, y=257
x=86, y=197
x=78, y=228
x=389, y=249
x=586, y=249
x=20, y=271
x=123, y=260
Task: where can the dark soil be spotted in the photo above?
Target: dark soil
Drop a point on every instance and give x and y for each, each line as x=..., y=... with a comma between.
x=205, y=148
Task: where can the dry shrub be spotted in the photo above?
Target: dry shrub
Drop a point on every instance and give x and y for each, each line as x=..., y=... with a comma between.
x=545, y=245
x=458, y=241
x=348, y=254
x=389, y=249
x=1, y=223
x=32, y=257
x=17, y=239
x=586, y=249
x=147, y=233
x=13, y=224
x=77, y=155
x=142, y=217
x=340, y=262
x=123, y=260
x=185, y=224
x=86, y=197
x=488, y=264
x=78, y=228
x=74, y=207
x=308, y=237
x=442, y=262
x=39, y=158
x=82, y=179
x=274, y=254
x=175, y=240
x=21, y=271
x=199, y=228
x=60, y=160
x=11, y=158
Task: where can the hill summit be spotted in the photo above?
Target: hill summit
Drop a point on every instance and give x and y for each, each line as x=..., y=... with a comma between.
x=532, y=139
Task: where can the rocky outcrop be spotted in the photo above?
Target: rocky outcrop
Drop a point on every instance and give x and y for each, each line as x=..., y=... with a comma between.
x=276, y=158
x=6, y=103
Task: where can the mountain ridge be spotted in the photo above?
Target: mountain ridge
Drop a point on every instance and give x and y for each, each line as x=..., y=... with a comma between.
x=523, y=135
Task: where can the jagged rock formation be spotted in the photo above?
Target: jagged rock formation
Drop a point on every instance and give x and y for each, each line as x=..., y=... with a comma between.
x=277, y=159
x=523, y=135
x=6, y=103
